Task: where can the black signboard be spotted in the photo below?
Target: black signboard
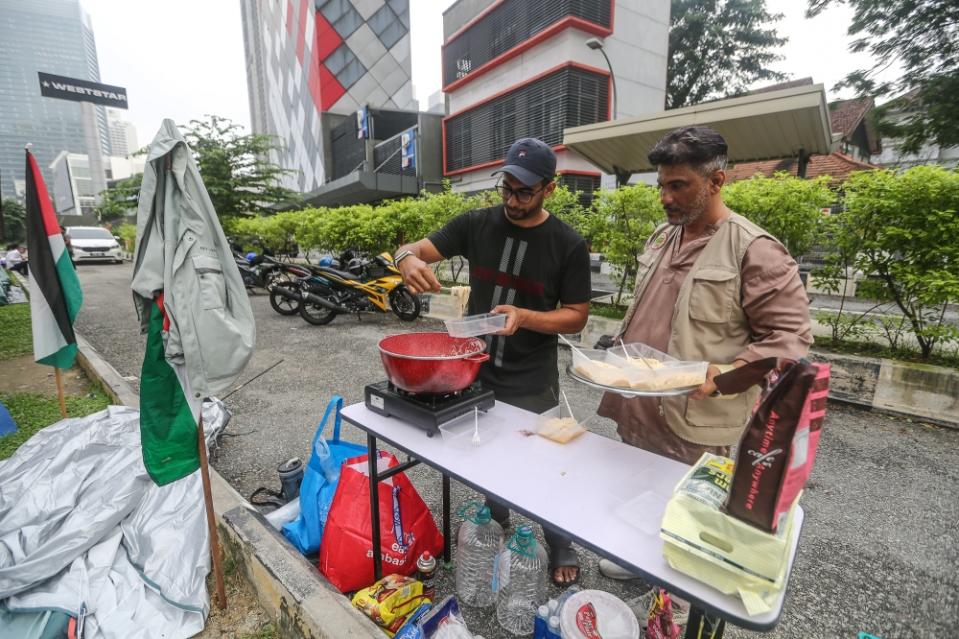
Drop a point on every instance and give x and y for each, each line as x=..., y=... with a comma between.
x=57, y=86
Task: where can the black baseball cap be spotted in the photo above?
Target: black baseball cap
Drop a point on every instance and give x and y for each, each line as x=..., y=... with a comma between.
x=530, y=161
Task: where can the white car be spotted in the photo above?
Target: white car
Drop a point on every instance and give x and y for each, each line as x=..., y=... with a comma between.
x=93, y=243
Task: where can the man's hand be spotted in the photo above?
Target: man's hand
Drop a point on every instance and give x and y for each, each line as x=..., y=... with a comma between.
x=417, y=275
x=708, y=387
x=514, y=318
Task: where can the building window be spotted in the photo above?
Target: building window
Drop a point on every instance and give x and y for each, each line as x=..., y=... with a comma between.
x=585, y=184
x=541, y=109
x=341, y=14
x=345, y=66
x=387, y=26
x=510, y=24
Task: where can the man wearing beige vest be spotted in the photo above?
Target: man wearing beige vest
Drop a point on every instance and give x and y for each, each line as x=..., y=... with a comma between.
x=710, y=286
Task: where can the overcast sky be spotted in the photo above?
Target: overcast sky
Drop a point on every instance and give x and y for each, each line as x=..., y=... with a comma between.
x=184, y=58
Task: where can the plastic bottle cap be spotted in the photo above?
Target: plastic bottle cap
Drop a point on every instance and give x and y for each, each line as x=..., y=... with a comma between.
x=426, y=555
x=554, y=622
x=483, y=515
x=552, y=604
x=525, y=533
x=543, y=611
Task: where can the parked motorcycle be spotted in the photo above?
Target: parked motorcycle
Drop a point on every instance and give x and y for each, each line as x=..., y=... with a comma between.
x=368, y=286
x=261, y=271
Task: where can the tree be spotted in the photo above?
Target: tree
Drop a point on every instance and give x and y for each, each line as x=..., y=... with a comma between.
x=789, y=208
x=234, y=168
x=718, y=48
x=620, y=225
x=14, y=215
x=120, y=200
x=923, y=37
x=903, y=229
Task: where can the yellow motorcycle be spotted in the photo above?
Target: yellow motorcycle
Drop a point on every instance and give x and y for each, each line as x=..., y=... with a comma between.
x=367, y=286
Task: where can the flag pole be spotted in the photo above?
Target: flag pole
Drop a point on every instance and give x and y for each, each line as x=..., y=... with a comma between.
x=210, y=519
x=63, y=402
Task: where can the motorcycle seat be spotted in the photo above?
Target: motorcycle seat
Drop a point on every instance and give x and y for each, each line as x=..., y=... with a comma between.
x=340, y=274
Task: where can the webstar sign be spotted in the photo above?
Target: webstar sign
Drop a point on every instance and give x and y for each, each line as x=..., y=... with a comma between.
x=57, y=86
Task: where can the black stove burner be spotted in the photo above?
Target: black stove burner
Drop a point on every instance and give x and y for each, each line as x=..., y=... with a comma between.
x=425, y=411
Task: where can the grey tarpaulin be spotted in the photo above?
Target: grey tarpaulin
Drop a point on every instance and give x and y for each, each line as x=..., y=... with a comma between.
x=82, y=524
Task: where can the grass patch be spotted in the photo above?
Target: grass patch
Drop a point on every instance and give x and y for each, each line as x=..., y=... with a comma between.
x=16, y=334
x=870, y=349
x=611, y=311
x=32, y=412
x=266, y=632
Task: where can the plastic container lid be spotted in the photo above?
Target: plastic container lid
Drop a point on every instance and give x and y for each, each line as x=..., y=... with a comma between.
x=614, y=619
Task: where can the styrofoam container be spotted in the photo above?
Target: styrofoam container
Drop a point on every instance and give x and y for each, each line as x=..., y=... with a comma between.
x=458, y=432
x=669, y=373
x=614, y=619
x=473, y=325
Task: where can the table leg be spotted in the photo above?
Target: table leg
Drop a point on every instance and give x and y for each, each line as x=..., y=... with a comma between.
x=446, y=518
x=703, y=626
x=374, y=506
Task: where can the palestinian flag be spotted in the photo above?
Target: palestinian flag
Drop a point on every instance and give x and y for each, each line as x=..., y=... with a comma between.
x=169, y=414
x=55, y=294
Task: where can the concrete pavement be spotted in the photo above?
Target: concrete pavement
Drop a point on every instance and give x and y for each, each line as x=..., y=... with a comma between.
x=880, y=546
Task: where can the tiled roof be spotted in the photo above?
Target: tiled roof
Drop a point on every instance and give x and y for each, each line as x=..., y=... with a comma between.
x=845, y=115
x=836, y=165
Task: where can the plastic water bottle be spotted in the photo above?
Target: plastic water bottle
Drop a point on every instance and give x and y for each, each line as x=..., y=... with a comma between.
x=552, y=629
x=566, y=594
x=479, y=541
x=520, y=582
x=541, y=623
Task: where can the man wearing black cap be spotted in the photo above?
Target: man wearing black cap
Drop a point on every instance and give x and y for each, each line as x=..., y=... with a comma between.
x=530, y=266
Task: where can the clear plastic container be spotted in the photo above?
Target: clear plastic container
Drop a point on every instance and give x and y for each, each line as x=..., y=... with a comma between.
x=473, y=325
x=595, y=365
x=459, y=432
x=558, y=425
x=445, y=307
x=648, y=369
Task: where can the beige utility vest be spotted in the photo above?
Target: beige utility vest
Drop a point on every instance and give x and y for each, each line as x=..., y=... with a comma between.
x=708, y=324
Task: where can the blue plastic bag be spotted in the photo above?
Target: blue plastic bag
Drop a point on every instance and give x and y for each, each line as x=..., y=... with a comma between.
x=320, y=479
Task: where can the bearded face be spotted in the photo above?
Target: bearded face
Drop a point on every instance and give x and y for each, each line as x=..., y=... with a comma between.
x=684, y=192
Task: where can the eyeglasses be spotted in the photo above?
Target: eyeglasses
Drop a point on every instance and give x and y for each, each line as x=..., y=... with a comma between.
x=523, y=196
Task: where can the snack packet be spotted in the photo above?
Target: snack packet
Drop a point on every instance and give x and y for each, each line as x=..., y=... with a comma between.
x=390, y=601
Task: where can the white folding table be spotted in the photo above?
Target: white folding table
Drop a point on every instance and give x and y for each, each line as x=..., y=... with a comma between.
x=606, y=495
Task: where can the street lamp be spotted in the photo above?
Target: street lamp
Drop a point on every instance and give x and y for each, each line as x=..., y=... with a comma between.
x=597, y=45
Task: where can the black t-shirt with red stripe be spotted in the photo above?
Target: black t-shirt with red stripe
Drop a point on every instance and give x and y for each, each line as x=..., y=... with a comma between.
x=537, y=268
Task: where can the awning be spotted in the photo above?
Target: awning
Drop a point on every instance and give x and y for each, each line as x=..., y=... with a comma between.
x=360, y=187
x=757, y=126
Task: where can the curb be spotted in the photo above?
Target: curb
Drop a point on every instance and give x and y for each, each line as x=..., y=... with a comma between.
x=304, y=604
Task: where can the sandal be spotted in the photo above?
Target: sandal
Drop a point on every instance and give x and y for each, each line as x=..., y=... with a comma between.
x=563, y=557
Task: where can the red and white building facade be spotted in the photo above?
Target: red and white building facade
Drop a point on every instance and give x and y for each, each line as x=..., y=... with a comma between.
x=521, y=68
x=306, y=58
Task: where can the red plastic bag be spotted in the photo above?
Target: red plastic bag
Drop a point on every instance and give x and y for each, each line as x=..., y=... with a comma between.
x=407, y=528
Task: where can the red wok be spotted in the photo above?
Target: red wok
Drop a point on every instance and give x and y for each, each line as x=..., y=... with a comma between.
x=432, y=363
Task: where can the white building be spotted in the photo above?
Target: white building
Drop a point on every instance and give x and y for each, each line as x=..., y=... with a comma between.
x=513, y=68
x=123, y=135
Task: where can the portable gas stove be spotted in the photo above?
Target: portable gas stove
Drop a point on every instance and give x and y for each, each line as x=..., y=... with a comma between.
x=425, y=411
